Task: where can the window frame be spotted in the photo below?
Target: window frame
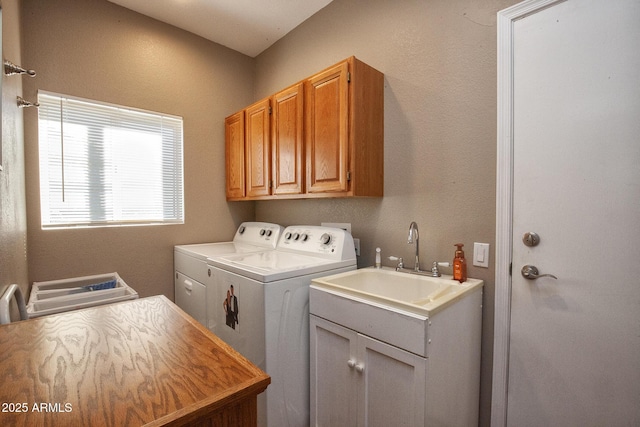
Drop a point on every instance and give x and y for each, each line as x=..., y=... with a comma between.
x=166, y=185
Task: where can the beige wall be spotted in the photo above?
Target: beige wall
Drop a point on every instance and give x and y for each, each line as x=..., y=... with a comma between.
x=13, y=220
x=439, y=61
x=97, y=50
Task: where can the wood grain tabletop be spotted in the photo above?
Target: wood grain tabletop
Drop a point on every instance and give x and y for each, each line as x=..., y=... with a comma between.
x=140, y=362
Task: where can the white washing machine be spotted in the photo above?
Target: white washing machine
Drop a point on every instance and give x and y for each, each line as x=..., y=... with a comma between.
x=190, y=263
x=261, y=308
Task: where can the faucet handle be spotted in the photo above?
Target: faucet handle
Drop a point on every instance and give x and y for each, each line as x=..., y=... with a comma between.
x=434, y=269
x=400, y=265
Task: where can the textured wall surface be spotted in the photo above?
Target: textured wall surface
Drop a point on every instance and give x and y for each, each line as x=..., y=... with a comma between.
x=13, y=216
x=439, y=61
x=97, y=50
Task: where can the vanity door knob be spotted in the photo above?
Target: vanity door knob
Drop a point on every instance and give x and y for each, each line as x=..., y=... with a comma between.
x=360, y=367
x=351, y=363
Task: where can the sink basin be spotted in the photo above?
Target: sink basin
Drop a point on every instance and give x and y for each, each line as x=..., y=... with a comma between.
x=415, y=293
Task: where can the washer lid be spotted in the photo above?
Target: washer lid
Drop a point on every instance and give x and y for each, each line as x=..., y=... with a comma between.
x=249, y=237
x=207, y=251
x=269, y=266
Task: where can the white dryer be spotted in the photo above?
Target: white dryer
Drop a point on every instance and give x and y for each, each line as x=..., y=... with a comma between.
x=192, y=272
x=261, y=308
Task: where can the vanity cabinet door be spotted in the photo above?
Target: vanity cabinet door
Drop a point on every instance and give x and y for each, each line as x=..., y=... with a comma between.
x=392, y=387
x=234, y=155
x=333, y=381
x=327, y=130
x=258, y=148
x=287, y=141
x=359, y=381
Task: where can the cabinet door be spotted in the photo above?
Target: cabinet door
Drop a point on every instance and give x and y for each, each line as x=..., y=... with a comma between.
x=333, y=377
x=287, y=142
x=258, y=149
x=392, y=385
x=234, y=155
x=327, y=130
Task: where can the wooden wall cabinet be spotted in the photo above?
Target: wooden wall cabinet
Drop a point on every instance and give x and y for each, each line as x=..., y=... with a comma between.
x=234, y=155
x=264, y=147
x=287, y=138
x=345, y=131
x=322, y=137
x=258, y=148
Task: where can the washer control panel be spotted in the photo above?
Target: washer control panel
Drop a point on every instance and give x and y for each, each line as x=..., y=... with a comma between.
x=333, y=243
x=258, y=233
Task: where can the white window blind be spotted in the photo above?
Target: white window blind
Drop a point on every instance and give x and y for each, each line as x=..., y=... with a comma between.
x=103, y=164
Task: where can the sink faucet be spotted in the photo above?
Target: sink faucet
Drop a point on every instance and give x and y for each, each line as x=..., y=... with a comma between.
x=414, y=238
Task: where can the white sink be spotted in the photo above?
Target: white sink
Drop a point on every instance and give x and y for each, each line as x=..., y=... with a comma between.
x=415, y=293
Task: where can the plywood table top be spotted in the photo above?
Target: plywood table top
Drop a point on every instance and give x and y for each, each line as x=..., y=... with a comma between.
x=140, y=362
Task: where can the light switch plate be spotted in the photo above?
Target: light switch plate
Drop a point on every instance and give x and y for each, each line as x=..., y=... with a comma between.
x=481, y=254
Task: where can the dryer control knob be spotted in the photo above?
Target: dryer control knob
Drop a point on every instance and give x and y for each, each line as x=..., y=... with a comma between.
x=305, y=237
x=262, y=231
x=325, y=238
x=287, y=236
x=269, y=233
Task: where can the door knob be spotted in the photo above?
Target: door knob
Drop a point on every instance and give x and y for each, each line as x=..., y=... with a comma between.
x=530, y=272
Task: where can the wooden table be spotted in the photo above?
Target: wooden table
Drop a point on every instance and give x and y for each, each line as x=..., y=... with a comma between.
x=140, y=362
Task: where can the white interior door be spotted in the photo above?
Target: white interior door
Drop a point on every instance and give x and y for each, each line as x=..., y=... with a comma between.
x=574, y=341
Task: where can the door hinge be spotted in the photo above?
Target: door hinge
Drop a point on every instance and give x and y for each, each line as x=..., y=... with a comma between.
x=348, y=175
x=270, y=109
x=348, y=77
x=510, y=268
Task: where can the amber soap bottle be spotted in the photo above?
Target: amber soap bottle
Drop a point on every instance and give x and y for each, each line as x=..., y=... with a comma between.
x=459, y=264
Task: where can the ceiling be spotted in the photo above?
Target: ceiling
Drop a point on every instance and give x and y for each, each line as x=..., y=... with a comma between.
x=248, y=26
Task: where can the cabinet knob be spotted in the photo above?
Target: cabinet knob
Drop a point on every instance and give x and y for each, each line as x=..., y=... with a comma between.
x=360, y=367
x=351, y=363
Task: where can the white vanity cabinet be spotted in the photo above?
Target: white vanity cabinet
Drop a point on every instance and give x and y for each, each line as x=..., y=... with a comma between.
x=377, y=365
x=359, y=381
